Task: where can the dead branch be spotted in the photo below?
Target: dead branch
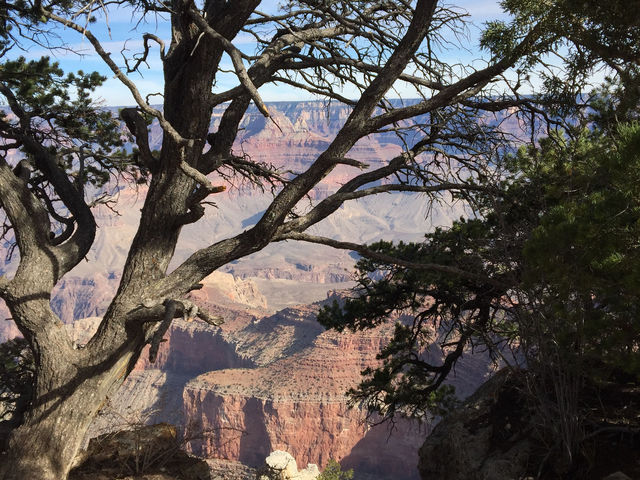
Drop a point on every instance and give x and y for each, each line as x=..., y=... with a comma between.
x=236, y=59
x=106, y=57
x=367, y=252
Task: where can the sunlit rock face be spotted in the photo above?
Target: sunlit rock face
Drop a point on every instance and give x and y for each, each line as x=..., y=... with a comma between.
x=296, y=403
x=282, y=465
x=294, y=399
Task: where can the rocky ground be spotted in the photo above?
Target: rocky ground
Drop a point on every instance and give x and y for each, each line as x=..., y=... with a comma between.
x=151, y=452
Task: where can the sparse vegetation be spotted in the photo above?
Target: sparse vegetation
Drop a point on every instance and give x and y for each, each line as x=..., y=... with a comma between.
x=333, y=471
x=16, y=379
x=140, y=450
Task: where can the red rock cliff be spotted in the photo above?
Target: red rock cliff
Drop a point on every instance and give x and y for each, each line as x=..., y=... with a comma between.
x=298, y=404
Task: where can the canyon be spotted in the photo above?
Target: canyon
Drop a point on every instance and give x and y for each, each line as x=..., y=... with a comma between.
x=261, y=383
x=270, y=378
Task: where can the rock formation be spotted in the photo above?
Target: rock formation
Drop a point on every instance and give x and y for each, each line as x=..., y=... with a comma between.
x=82, y=297
x=281, y=465
x=278, y=377
x=295, y=402
x=262, y=383
x=225, y=289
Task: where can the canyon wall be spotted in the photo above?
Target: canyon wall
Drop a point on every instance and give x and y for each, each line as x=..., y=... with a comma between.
x=294, y=399
x=305, y=128
x=268, y=382
x=297, y=403
x=263, y=383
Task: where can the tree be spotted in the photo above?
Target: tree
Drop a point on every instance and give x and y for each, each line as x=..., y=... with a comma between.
x=326, y=47
x=554, y=259
x=333, y=471
x=549, y=256
x=586, y=38
x=16, y=379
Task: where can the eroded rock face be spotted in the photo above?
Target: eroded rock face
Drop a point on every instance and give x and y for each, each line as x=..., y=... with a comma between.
x=388, y=451
x=192, y=348
x=279, y=377
x=246, y=428
x=262, y=383
x=294, y=399
x=225, y=289
x=153, y=391
x=285, y=333
x=298, y=403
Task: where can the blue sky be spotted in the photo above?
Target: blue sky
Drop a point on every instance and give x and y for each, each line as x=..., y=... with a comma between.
x=125, y=31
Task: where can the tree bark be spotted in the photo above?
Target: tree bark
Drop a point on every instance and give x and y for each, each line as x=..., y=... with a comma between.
x=45, y=446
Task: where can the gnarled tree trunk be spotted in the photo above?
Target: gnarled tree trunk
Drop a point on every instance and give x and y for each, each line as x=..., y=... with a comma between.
x=46, y=444
x=70, y=388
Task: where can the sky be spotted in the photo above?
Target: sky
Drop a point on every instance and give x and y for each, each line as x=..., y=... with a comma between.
x=124, y=30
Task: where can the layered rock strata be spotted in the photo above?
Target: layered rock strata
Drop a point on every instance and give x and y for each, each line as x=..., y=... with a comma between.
x=298, y=404
x=294, y=398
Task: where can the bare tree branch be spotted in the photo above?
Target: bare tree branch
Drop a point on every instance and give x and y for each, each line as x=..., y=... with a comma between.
x=143, y=57
x=106, y=57
x=236, y=58
x=138, y=128
x=367, y=252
